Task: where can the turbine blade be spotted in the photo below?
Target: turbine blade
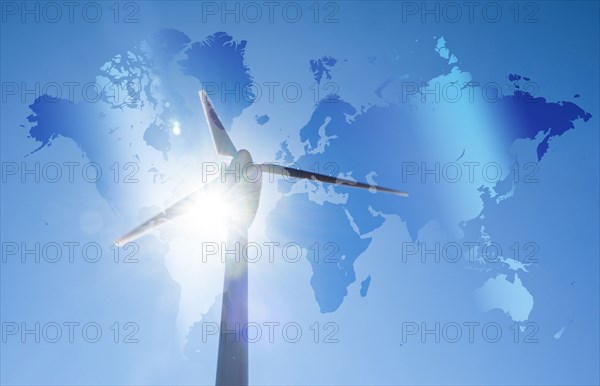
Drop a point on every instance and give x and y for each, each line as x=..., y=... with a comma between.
x=176, y=210
x=221, y=139
x=296, y=173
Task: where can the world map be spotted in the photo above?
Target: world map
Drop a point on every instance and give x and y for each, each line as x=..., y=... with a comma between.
x=412, y=142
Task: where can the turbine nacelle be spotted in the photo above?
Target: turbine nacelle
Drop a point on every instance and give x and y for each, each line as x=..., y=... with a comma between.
x=245, y=178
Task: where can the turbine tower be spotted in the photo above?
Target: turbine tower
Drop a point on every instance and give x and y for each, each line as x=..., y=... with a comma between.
x=240, y=184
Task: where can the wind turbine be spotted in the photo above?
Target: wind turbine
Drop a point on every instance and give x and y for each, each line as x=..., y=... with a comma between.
x=240, y=184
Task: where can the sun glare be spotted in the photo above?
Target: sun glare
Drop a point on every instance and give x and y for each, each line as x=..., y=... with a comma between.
x=207, y=217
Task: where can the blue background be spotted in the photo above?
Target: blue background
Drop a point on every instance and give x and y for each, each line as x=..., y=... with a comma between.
x=377, y=289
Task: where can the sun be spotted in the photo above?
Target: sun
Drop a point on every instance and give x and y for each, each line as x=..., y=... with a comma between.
x=207, y=217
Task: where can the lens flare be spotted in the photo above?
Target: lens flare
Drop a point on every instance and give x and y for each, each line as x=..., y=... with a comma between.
x=176, y=129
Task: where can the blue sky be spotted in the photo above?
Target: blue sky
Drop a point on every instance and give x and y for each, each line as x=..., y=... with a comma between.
x=155, y=311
